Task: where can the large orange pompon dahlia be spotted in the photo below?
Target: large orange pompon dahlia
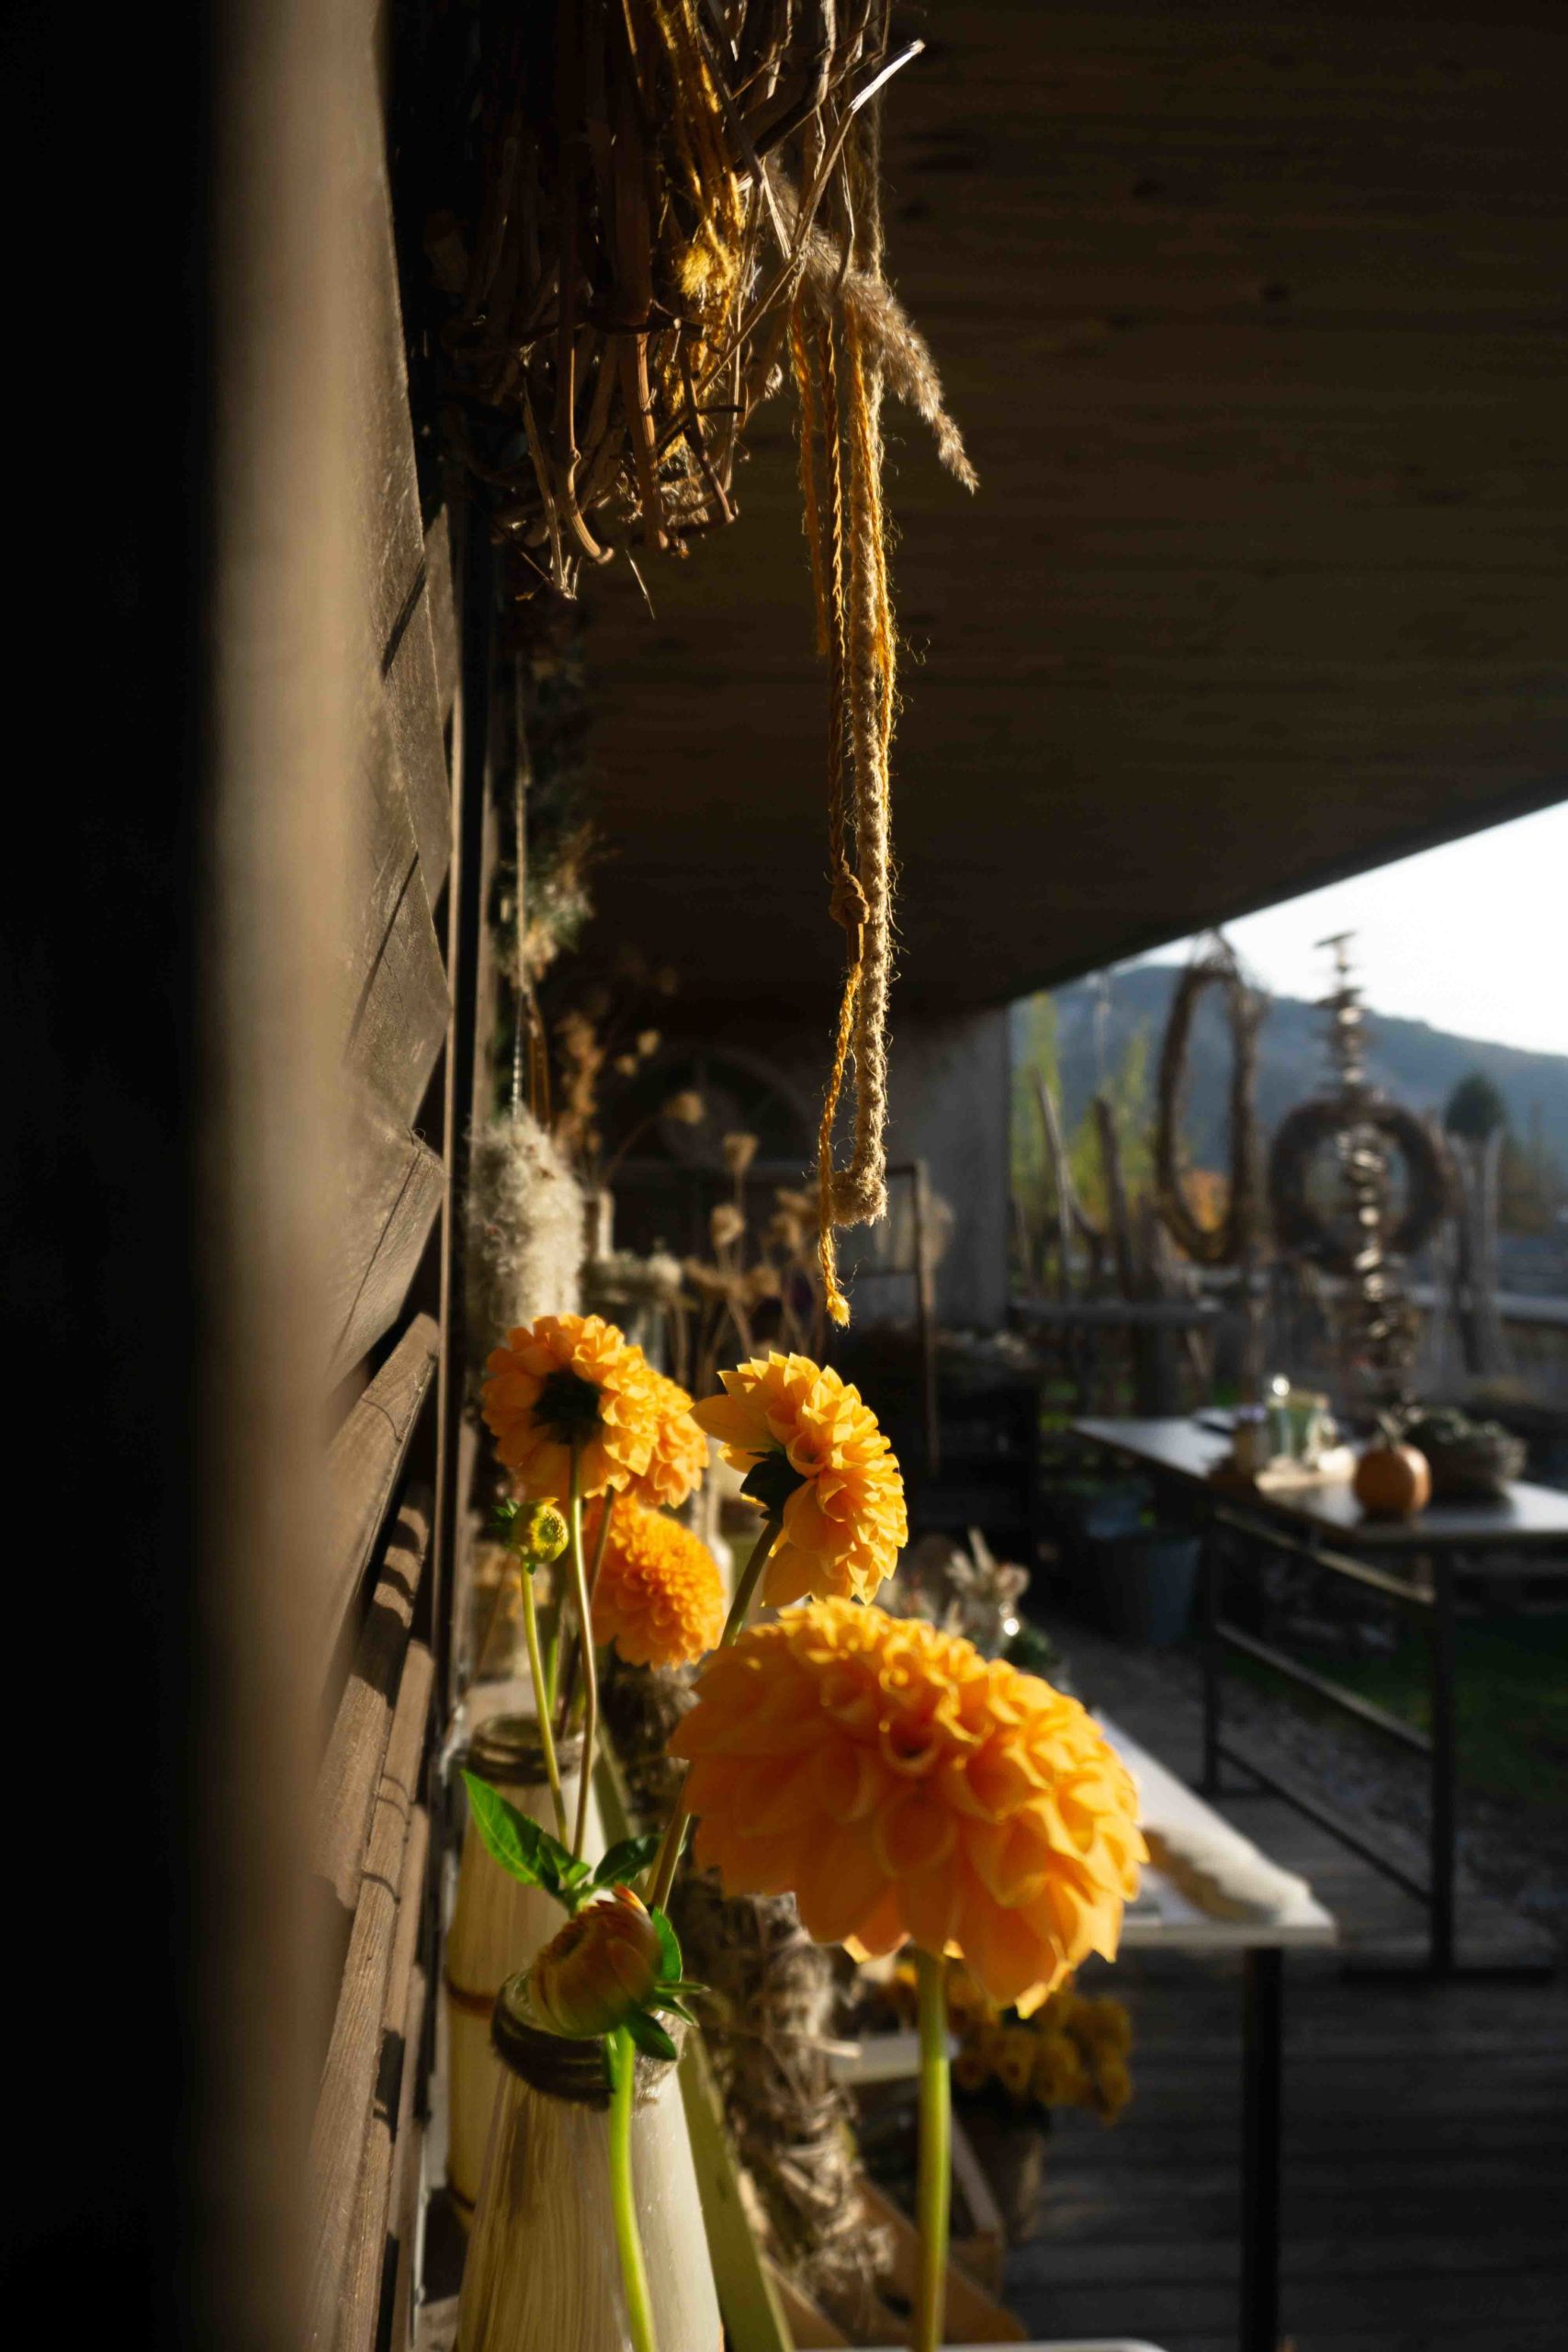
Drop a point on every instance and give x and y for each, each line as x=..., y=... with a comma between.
x=901, y=1785
x=659, y=1596
x=679, y=1456
x=815, y=1457
x=566, y=1380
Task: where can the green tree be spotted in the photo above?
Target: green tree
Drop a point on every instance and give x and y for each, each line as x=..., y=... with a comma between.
x=1035, y=1058
x=1475, y=1109
x=1129, y=1091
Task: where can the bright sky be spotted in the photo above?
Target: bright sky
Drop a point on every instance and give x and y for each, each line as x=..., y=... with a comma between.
x=1472, y=938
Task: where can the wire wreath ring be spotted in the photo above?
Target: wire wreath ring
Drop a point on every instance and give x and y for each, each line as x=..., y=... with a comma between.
x=1297, y=1225
x=1228, y=1243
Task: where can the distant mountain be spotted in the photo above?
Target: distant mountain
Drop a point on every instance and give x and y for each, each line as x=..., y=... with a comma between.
x=1096, y=1023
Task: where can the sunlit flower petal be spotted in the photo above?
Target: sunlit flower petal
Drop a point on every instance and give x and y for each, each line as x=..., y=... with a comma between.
x=840, y=1492
x=660, y=1598
x=902, y=1787
x=566, y=1378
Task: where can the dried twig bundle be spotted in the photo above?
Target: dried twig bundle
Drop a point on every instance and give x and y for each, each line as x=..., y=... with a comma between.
x=648, y=177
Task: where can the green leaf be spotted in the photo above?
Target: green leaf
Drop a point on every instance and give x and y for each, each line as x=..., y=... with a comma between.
x=665, y=2000
x=519, y=1844
x=669, y=1949
x=649, y=2035
x=627, y=1859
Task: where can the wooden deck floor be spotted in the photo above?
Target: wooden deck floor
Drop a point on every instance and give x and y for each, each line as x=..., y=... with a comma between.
x=1426, y=2133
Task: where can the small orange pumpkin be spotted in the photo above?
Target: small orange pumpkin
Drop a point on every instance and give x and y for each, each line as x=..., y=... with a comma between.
x=1393, y=1481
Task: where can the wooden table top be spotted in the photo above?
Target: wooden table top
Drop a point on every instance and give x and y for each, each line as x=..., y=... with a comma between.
x=1522, y=1515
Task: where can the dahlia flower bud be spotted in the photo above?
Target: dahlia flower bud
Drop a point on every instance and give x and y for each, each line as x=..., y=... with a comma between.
x=603, y=1966
x=538, y=1534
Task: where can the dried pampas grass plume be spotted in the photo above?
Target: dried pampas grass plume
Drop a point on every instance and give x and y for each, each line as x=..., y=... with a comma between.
x=525, y=1230
x=893, y=342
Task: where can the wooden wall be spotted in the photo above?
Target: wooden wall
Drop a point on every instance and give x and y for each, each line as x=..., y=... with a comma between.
x=336, y=963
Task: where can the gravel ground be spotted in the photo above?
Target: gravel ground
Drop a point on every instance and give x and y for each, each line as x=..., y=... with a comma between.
x=1516, y=1857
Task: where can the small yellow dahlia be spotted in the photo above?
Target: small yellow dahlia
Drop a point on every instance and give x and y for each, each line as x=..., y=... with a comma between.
x=659, y=1596
x=680, y=1454
x=571, y=1379
x=900, y=1785
x=815, y=1456
x=1059, y=2077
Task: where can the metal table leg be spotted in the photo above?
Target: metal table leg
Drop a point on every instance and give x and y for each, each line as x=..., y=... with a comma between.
x=1210, y=1573
x=1262, y=2064
x=1444, y=1765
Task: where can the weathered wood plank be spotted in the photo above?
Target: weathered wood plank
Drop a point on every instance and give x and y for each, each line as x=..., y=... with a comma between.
x=393, y=995
x=393, y=1186
x=365, y=2268
x=442, y=596
x=356, y=1749
x=363, y=1466
x=348, y=2080
x=386, y=480
x=413, y=700
x=408, y=2145
x=399, y=1023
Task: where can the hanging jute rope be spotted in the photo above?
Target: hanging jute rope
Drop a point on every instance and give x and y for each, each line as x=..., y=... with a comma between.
x=1229, y=1241
x=842, y=438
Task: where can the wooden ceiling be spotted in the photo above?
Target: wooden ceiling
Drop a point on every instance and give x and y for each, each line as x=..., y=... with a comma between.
x=1256, y=320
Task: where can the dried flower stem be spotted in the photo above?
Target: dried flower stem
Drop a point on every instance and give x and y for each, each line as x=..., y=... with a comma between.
x=734, y=1625
x=934, y=2189
x=621, y=2058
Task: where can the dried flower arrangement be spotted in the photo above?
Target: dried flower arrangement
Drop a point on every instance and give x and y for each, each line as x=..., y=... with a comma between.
x=1073, y=2052
x=657, y=211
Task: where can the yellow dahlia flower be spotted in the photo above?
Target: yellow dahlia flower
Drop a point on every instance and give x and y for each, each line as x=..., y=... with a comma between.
x=680, y=1454
x=815, y=1456
x=571, y=1378
x=970, y=2071
x=902, y=1786
x=659, y=1596
x=1059, y=2078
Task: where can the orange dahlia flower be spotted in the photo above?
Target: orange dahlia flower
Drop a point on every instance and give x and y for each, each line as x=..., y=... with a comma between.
x=680, y=1454
x=659, y=1596
x=604, y=1964
x=903, y=1786
x=815, y=1457
x=566, y=1380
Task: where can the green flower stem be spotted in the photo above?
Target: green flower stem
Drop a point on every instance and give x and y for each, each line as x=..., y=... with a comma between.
x=605, y=1516
x=552, y=1657
x=739, y=1609
x=622, y=2058
x=590, y=1667
x=571, y=1697
x=542, y=1703
x=933, y=2190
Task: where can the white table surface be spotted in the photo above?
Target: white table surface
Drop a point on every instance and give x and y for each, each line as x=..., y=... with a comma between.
x=1162, y=1916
